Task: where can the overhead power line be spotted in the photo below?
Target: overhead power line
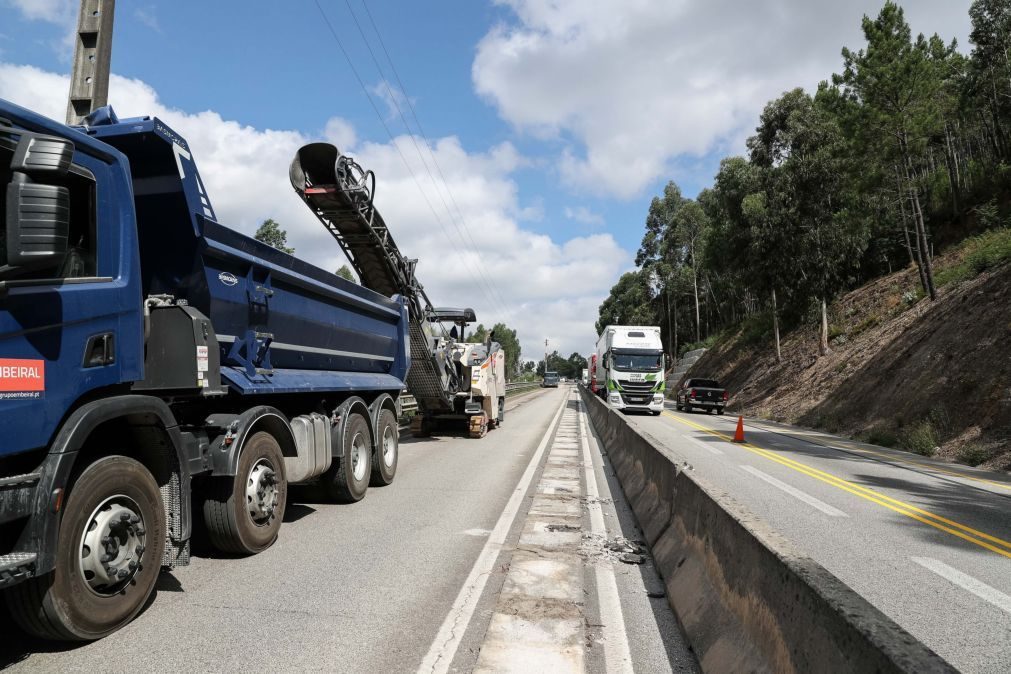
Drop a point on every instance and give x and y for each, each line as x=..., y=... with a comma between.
x=361, y=83
x=462, y=227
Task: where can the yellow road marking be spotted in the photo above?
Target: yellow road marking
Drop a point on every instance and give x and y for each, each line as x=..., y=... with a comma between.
x=926, y=466
x=962, y=531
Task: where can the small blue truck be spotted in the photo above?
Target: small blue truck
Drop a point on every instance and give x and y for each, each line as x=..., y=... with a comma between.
x=157, y=367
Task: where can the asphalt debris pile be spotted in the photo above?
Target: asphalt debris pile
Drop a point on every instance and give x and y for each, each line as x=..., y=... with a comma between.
x=596, y=547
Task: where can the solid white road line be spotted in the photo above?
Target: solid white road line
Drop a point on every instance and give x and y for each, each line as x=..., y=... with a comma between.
x=796, y=493
x=708, y=446
x=443, y=649
x=617, y=656
x=966, y=582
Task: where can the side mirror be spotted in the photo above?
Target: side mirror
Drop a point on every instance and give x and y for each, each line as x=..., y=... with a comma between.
x=42, y=156
x=38, y=224
x=38, y=215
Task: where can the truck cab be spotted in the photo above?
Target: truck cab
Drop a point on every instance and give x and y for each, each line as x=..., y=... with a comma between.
x=630, y=365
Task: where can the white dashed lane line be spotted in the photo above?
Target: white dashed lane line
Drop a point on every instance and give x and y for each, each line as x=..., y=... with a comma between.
x=966, y=582
x=796, y=493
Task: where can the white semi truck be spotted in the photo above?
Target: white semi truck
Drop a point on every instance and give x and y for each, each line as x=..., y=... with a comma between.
x=630, y=368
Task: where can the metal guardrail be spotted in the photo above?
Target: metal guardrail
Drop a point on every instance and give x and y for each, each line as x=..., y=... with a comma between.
x=409, y=406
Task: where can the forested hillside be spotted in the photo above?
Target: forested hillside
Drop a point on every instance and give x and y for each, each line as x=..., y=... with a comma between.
x=898, y=157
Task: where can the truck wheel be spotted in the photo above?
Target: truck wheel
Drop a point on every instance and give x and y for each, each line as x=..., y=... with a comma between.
x=347, y=479
x=679, y=406
x=688, y=408
x=387, y=451
x=108, y=556
x=720, y=411
x=501, y=412
x=243, y=514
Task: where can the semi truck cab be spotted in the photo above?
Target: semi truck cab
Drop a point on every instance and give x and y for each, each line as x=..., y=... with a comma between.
x=630, y=365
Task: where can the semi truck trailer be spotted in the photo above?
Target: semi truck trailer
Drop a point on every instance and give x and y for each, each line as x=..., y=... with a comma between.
x=630, y=368
x=158, y=367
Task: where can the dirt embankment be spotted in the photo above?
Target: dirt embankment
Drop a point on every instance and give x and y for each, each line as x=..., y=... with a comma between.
x=930, y=377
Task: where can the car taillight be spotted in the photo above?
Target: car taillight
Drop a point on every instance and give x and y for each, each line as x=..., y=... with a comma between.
x=725, y=396
x=692, y=394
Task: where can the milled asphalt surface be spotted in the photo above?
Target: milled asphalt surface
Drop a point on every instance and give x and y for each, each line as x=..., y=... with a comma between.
x=361, y=587
x=952, y=594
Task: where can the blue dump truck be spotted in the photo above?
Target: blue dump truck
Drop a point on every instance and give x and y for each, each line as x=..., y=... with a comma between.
x=157, y=368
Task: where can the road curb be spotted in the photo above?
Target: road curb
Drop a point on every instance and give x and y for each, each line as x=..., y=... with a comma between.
x=747, y=599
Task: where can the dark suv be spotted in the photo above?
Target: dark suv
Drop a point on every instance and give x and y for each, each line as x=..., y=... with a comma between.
x=701, y=394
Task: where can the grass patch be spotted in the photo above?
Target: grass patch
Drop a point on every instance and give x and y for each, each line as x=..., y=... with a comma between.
x=707, y=343
x=865, y=325
x=973, y=454
x=979, y=254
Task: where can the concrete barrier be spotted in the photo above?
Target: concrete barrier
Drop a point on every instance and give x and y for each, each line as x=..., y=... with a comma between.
x=747, y=599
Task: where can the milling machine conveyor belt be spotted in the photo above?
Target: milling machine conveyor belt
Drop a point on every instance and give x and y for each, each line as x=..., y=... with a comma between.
x=340, y=193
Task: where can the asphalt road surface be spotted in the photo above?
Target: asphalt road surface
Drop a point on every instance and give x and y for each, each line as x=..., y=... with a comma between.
x=927, y=542
x=500, y=553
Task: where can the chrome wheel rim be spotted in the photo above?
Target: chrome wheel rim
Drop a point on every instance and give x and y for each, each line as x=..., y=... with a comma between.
x=359, y=457
x=112, y=546
x=389, y=447
x=261, y=492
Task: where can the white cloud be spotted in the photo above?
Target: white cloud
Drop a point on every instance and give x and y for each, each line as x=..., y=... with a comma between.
x=147, y=16
x=53, y=11
x=550, y=288
x=584, y=215
x=628, y=86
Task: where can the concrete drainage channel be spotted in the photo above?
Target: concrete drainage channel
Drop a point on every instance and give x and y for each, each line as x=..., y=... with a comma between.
x=747, y=600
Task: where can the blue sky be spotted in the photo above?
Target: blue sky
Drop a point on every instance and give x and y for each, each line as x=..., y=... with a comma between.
x=555, y=121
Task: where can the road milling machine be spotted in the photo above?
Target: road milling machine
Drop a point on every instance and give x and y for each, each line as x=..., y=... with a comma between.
x=451, y=380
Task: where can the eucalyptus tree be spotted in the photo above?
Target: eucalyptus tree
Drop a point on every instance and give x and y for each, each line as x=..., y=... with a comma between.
x=896, y=83
x=800, y=222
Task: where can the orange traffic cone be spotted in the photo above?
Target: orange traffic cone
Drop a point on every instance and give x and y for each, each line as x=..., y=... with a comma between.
x=739, y=434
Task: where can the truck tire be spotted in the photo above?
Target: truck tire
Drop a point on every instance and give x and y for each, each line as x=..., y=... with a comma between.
x=719, y=411
x=501, y=412
x=688, y=408
x=243, y=514
x=347, y=480
x=387, y=451
x=90, y=595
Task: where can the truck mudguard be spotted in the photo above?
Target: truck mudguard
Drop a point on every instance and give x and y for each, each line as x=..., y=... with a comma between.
x=385, y=401
x=43, y=529
x=352, y=404
x=235, y=428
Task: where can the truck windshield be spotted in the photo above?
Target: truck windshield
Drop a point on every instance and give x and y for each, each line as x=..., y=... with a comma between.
x=628, y=362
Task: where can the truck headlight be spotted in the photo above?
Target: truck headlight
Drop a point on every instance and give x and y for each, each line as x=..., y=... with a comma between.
x=658, y=398
x=615, y=398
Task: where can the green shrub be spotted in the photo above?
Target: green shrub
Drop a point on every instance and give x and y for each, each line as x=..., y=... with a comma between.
x=973, y=454
x=883, y=437
x=922, y=439
x=757, y=328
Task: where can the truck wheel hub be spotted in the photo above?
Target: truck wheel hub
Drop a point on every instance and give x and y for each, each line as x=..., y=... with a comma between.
x=389, y=447
x=359, y=457
x=112, y=546
x=261, y=492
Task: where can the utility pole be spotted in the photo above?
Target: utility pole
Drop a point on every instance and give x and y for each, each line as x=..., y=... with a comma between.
x=545, y=356
x=89, y=79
